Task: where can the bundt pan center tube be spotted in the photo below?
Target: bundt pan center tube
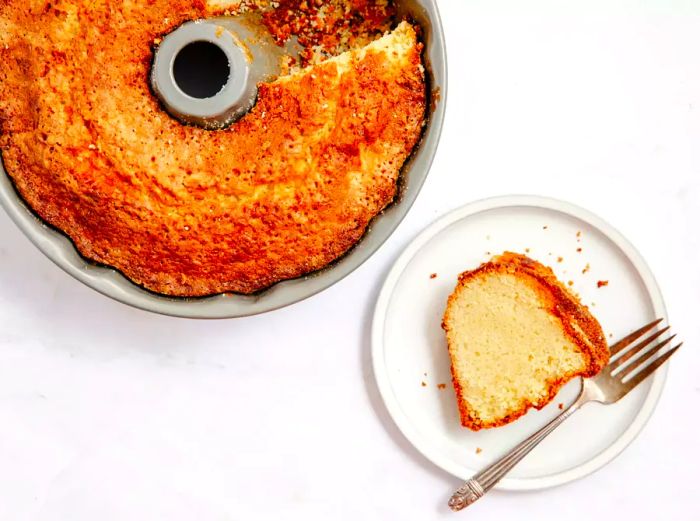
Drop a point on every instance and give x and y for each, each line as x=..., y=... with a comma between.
x=206, y=108
x=206, y=72
x=211, y=80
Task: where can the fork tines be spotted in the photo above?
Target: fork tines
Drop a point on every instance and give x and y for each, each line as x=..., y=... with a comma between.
x=626, y=360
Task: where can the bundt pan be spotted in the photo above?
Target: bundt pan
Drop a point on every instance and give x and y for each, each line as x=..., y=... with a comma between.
x=216, y=114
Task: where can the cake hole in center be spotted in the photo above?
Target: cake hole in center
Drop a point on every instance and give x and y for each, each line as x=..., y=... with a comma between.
x=201, y=69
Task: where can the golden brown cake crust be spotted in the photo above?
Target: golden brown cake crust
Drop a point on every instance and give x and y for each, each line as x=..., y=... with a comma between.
x=561, y=303
x=180, y=210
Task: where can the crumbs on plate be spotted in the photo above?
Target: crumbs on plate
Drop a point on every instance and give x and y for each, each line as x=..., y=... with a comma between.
x=442, y=387
x=603, y=283
x=433, y=275
x=479, y=450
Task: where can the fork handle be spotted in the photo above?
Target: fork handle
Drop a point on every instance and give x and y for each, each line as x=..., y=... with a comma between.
x=481, y=483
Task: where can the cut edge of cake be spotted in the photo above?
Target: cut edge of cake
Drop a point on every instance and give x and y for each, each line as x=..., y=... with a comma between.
x=575, y=318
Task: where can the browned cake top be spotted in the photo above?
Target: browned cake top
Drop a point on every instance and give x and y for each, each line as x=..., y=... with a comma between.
x=184, y=211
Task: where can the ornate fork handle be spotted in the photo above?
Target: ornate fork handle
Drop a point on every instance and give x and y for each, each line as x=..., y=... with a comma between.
x=485, y=480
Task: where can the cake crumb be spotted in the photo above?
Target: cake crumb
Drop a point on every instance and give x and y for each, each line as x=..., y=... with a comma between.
x=545, y=227
x=560, y=259
x=527, y=250
x=488, y=253
x=602, y=283
x=479, y=450
x=547, y=302
x=610, y=335
x=433, y=275
x=561, y=406
x=442, y=387
x=578, y=234
x=579, y=250
x=423, y=384
x=586, y=269
x=570, y=283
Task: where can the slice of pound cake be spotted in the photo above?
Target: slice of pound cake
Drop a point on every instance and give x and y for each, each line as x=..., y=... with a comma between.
x=516, y=335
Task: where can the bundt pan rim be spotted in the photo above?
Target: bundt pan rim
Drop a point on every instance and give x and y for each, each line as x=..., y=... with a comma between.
x=111, y=283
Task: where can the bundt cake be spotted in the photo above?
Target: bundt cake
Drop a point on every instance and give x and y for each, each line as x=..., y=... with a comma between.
x=515, y=336
x=188, y=212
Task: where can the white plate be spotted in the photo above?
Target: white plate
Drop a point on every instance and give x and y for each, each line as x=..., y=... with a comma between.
x=409, y=347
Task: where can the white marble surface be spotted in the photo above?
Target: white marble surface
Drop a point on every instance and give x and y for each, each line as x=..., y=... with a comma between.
x=113, y=414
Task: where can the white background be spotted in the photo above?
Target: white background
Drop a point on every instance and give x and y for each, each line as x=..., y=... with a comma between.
x=108, y=413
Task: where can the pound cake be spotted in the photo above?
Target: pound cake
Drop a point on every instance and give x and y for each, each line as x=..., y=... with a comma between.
x=188, y=212
x=515, y=336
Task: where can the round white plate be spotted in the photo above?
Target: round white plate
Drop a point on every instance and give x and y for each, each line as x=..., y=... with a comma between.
x=410, y=354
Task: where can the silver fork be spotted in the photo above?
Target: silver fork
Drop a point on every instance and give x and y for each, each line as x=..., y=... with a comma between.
x=609, y=386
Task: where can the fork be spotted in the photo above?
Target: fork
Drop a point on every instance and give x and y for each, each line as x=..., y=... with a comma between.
x=616, y=379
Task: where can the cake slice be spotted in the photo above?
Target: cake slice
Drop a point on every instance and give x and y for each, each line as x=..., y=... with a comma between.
x=515, y=336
